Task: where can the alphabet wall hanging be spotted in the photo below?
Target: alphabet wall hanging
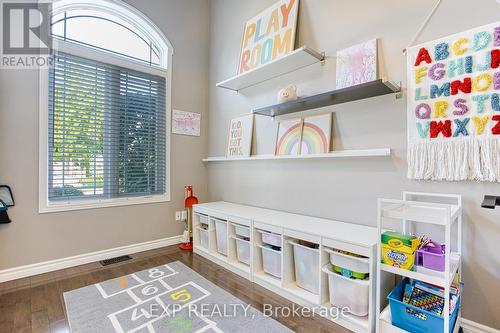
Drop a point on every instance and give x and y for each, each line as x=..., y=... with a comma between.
x=454, y=107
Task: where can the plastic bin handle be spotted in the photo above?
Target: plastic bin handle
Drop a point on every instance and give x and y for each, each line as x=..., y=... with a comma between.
x=240, y=239
x=267, y=233
x=268, y=249
x=302, y=246
x=240, y=225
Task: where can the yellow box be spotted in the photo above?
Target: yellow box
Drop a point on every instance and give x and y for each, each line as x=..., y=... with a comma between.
x=399, y=250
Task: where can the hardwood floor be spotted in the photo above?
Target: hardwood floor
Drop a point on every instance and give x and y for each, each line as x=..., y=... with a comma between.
x=35, y=304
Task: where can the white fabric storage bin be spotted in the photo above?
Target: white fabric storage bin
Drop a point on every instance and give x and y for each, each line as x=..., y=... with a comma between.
x=352, y=263
x=306, y=267
x=242, y=230
x=204, y=237
x=243, y=250
x=203, y=218
x=346, y=292
x=221, y=235
x=271, y=260
x=270, y=238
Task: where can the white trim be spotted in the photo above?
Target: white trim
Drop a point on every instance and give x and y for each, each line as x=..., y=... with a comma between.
x=57, y=264
x=64, y=206
x=470, y=326
x=124, y=11
x=106, y=57
x=133, y=16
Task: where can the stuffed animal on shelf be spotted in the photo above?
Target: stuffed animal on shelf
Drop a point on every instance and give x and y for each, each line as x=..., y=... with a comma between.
x=289, y=93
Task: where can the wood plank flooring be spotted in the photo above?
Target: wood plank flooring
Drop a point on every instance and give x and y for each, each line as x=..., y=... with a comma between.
x=35, y=304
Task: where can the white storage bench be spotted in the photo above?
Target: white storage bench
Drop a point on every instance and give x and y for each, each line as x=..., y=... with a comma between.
x=282, y=260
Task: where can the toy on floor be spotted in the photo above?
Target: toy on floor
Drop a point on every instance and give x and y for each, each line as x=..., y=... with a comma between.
x=189, y=201
x=399, y=250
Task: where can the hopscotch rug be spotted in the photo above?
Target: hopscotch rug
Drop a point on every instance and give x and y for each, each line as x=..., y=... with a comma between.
x=454, y=107
x=169, y=298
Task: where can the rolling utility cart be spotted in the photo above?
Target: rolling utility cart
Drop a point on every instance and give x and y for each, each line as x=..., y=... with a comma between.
x=418, y=213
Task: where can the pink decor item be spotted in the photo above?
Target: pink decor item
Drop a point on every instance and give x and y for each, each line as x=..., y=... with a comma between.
x=357, y=64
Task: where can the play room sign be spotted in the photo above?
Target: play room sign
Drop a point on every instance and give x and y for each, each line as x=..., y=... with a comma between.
x=269, y=36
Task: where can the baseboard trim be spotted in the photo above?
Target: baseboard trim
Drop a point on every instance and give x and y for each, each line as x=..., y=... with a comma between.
x=14, y=273
x=470, y=326
x=54, y=265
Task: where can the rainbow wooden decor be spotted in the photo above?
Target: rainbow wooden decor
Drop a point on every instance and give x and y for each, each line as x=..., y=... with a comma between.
x=289, y=137
x=316, y=135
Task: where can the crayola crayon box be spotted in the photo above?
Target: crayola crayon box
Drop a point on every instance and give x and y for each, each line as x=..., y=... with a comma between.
x=399, y=250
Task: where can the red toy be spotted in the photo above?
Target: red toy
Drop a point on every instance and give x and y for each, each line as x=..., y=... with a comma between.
x=189, y=201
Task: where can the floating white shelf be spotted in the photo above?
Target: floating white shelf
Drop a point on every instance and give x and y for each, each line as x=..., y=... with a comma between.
x=298, y=58
x=333, y=154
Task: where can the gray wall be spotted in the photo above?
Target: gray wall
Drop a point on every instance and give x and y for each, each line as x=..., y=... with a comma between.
x=34, y=237
x=347, y=189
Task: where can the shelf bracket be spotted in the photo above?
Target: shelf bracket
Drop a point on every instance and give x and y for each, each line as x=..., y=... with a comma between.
x=396, y=87
x=323, y=58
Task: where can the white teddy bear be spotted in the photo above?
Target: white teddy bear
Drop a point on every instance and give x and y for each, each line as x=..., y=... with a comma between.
x=289, y=93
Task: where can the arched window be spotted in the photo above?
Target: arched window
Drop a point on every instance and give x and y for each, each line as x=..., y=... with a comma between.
x=105, y=108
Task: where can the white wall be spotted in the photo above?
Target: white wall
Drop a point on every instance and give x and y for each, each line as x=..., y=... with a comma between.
x=33, y=237
x=347, y=189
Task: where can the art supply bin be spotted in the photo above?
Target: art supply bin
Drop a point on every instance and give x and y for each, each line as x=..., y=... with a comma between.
x=243, y=250
x=242, y=230
x=271, y=260
x=432, y=257
x=221, y=235
x=349, y=265
x=347, y=292
x=414, y=319
x=270, y=238
x=306, y=267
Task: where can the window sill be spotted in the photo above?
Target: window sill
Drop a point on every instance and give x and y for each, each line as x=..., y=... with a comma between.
x=104, y=203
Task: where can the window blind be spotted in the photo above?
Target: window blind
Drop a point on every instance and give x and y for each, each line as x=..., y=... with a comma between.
x=107, y=130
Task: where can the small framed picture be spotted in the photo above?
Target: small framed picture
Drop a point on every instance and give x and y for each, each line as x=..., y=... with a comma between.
x=239, y=143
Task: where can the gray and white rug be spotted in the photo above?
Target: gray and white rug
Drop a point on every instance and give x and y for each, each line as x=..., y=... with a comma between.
x=166, y=299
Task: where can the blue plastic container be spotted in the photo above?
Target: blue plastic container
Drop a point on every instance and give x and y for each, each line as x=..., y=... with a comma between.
x=427, y=322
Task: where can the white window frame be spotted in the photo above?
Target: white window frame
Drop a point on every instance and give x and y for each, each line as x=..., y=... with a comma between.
x=136, y=18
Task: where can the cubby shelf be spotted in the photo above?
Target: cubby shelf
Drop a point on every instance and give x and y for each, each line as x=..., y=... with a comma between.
x=361, y=91
x=334, y=154
x=301, y=57
x=287, y=228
